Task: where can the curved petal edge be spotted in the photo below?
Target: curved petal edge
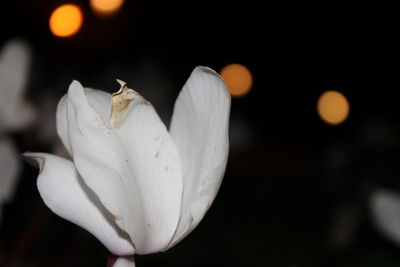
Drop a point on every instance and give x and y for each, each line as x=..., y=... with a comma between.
x=65, y=193
x=199, y=127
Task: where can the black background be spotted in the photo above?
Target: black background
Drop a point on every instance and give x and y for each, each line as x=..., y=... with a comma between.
x=294, y=180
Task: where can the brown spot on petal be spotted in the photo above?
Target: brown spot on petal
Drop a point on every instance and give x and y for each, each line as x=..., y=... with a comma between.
x=116, y=217
x=121, y=103
x=191, y=219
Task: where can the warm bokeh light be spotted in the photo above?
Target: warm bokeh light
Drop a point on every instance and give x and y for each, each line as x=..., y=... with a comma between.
x=333, y=107
x=106, y=7
x=238, y=78
x=66, y=20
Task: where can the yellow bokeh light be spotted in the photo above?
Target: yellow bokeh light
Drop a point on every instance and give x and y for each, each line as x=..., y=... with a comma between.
x=238, y=79
x=333, y=107
x=66, y=20
x=106, y=7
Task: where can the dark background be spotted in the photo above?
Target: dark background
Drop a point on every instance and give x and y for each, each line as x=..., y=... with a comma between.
x=296, y=190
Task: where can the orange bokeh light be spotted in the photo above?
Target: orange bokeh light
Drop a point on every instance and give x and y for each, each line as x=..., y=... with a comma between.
x=66, y=20
x=238, y=79
x=106, y=7
x=333, y=107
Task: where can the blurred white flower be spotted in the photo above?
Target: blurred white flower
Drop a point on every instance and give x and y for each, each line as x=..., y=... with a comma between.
x=14, y=112
x=385, y=206
x=133, y=184
x=9, y=170
x=15, y=59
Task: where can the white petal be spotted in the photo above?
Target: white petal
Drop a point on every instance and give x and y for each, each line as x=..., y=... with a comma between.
x=65, y=193
x=125, y=262
x=101, y=102
x=62, y=122
x=386, y=213
x=9, y=169
x=98, y=99
x=199, y=127
x=134, y=169
x=14, y=66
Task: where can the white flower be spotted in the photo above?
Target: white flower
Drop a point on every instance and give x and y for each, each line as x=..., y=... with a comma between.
x=385, y=207
x=15, y=113
x=133, y=184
